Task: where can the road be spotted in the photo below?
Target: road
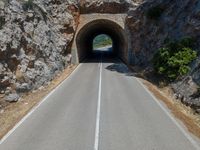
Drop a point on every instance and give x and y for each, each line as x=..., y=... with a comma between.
x=101, y=106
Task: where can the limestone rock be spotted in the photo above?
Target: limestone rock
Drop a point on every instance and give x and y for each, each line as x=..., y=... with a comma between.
x=104, y=6
x=12, y=97
x=24, y=87
x=178, y=19
x=33, y=38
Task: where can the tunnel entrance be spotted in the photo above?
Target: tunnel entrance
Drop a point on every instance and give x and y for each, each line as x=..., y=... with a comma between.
x=86, y=35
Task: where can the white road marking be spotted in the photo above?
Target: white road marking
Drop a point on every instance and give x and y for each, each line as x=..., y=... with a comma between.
x=193, y=142
x=96, y=142
x=35, y=108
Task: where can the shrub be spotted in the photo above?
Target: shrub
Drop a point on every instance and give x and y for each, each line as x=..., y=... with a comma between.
x=28, y=5
x=154, y=12
x=172, y=61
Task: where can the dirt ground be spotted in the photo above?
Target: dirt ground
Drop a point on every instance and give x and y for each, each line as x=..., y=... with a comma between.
x=12, y=113
x=189, y=118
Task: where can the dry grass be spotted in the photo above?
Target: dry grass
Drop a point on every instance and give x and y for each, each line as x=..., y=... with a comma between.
x=14, y=112
x=179, y=110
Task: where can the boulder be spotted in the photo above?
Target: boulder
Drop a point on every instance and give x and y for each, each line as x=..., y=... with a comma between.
x=24, y=87
x=14, y=97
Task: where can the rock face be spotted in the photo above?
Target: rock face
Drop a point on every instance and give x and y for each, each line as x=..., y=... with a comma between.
x=104, y=6
x=35, y=36
x=177, y=20
x=174, y=20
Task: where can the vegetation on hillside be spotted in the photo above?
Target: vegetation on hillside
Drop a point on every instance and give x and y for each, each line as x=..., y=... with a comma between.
x=172, y=61
x=101, y=41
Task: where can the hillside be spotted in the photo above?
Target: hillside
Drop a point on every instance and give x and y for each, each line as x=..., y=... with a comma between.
x=101, y=41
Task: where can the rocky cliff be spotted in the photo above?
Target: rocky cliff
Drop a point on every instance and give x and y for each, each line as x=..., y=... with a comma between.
x=35, y=37
x=104, y=6
x=170, y=20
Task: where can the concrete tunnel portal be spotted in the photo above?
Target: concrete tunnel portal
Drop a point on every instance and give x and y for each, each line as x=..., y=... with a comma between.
x=84, y=38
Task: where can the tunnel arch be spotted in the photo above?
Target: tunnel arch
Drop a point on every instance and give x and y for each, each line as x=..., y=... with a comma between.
x=85, y=36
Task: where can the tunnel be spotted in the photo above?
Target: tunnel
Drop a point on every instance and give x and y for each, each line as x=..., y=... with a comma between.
x=86, y=35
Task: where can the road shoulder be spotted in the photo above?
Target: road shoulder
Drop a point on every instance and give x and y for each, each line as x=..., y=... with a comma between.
x=185, y=114
x=12, y=113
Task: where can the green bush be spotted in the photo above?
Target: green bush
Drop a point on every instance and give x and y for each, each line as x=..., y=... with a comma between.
x=172, y=61
x=154, y=12
x=28, y=5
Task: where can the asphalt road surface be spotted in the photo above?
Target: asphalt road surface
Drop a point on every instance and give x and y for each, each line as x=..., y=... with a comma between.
x=101, y=106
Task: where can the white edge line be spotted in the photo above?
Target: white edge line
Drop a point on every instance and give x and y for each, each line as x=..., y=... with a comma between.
x=36, y=107
x=194, y=143
x=96, y=142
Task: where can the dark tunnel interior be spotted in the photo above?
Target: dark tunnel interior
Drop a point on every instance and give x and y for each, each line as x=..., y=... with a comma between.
x=86, y=35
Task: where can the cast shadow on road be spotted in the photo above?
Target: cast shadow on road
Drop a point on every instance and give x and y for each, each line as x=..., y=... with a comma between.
x=120, y=68
x=97, y=56
x=111, y=61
